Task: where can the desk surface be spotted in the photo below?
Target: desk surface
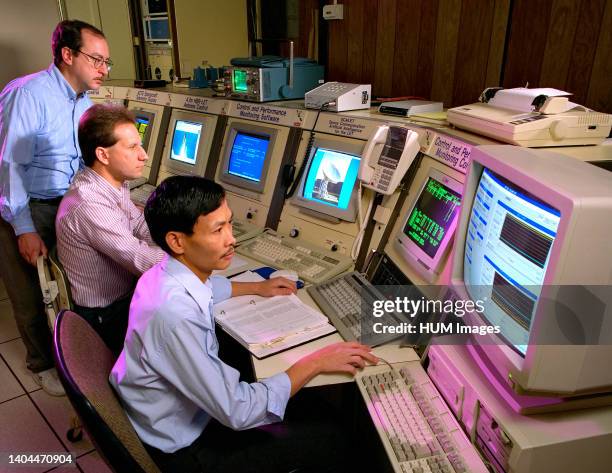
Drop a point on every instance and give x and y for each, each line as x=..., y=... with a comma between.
x=282, y=361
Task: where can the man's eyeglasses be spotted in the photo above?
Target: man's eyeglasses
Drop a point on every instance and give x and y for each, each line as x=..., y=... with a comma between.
x=97, y=61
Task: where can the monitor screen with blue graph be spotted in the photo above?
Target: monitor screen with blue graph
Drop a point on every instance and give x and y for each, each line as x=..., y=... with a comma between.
x=185, y=141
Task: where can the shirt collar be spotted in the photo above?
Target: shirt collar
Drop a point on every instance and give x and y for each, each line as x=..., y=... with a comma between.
x=100, y=181
x=63, y=84
x=200, y=291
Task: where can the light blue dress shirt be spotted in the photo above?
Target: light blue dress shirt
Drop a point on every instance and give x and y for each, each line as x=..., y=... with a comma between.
x=169, y=374
x=39, y=148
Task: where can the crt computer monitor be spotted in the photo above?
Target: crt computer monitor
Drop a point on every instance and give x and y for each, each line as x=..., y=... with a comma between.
x=428, y=228
x=246, y=157
x=188, y=143
x=329, y=183
x=533, y=221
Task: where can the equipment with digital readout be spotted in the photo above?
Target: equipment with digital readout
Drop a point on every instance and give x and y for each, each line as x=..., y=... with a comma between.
x=386, y=158
x=267, y=78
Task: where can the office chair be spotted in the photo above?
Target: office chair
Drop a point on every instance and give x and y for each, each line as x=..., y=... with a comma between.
x=84, y=363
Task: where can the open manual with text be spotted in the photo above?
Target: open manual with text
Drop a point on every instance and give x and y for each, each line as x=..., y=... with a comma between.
x=268, y=325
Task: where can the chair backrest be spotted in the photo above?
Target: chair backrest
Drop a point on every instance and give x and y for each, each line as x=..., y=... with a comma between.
x=49, y=289
x=65, y=297
x=84, y=363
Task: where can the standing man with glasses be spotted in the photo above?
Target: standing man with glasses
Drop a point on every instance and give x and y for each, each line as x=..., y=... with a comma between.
x=39, y=157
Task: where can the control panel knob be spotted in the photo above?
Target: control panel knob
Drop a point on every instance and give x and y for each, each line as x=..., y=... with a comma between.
x=334, y=247
x=249, y=215
x=294, y=232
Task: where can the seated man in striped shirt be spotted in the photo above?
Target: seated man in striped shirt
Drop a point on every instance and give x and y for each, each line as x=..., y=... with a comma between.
x=102, y=238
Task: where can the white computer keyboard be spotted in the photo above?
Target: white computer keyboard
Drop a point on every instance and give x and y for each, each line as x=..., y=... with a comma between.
x=313, y=264
x=341, y=299
x=140, y=194
x=417, y=428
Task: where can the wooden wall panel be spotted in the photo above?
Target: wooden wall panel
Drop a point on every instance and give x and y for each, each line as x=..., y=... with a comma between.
x=499, y=28
x=558, y=49
x=447, y=32
x=337, y=51
x=370, y=30
x=405, y=59
x=583, y=52
x=385, y=46
x=450, y=50
x=600, y=89
x=355, y=26
x=471, y=60
x=528, y=31
x=427, y=48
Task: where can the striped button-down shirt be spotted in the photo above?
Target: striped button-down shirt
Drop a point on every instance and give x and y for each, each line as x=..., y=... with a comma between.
x=102, y=240
x=39, y=149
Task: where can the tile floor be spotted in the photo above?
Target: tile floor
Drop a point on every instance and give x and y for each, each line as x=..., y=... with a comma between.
x=30, y=420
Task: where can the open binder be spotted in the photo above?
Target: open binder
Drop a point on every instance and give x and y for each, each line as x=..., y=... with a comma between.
x=269, y=325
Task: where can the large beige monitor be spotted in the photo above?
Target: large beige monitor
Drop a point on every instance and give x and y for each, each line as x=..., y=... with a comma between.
x=533, y=244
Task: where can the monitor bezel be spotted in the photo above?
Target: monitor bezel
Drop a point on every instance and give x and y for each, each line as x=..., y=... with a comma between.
x=237, y=181
x=350, y=213
x=410, y=250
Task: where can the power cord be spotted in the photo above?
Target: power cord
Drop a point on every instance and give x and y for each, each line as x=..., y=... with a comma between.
x=296, y=181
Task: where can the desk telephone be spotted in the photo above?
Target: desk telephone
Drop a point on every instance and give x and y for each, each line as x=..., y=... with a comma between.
x=386, y=158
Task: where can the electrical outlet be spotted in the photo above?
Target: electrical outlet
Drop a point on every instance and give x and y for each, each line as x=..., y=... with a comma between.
x=333, y=12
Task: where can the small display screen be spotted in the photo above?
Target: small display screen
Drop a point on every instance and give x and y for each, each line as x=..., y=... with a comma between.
x=331, y=178
x=142, y=123
x=432, y=216
x=240, y=81
x=248, y=156
x=185, y=141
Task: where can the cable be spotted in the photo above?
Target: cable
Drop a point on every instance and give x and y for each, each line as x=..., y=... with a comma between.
x=296, y=181
x=361, y=223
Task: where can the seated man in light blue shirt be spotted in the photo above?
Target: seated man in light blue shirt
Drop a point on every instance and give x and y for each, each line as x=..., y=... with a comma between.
x=185, y=403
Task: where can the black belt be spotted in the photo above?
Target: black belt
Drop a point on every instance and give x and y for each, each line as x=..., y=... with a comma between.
x=52, y=201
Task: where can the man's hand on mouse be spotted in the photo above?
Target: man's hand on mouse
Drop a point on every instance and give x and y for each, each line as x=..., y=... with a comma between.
x=276, y=287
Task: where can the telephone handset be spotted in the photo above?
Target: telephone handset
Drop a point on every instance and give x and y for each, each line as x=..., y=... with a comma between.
x=387, y=156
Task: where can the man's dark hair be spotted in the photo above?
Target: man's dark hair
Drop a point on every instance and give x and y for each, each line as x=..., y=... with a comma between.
x=68, y=34
x=97, y=128
x=177, y=203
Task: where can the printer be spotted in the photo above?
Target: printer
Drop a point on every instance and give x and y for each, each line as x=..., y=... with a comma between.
x=532, y=118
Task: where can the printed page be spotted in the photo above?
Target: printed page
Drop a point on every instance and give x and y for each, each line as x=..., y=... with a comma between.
x=264, y=320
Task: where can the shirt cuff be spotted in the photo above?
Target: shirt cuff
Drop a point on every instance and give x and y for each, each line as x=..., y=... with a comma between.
x=221, y=288
x=22, y=223
x=279, y=391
